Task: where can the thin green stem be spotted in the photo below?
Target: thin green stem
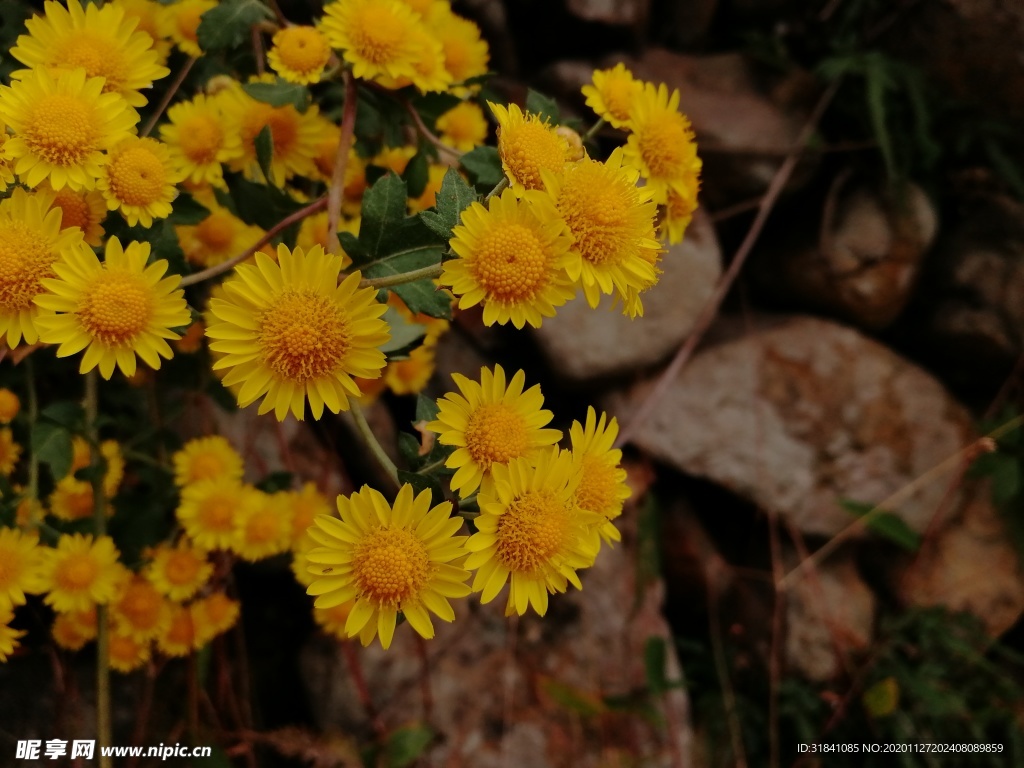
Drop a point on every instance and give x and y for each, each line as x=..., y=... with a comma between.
x=498, y=188
x=373, y=444
x=33, y=459
x=434, y=270
x=593, y=130
x=431, y=467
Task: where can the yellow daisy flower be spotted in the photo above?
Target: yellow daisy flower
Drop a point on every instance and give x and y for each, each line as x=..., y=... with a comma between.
x=529, y=533
x=72, y=499
x=513, y=258
x=291, y=333
x=611, y=222
x=300, y=562
x=207, y=458
x=428, y=197
x=198, y=139
x=126, y=652
x=140, y=611
x=151, y=18
x=304, y=506
x=299, y=54
x=490, y=425
x=10, y=452
x=8, y=634
x=114, y=310
x=466, y=54
x=429, y=73
x=333, y=620
x=661, y=145
x=9, y=406
x=138, y=179
x=81, y=572
x=99, y=40
x=81, y=457
x=602, y=487
x=263, y=528
x=62, y=127
x=527, y=144
x=216, y=238
x=315, y=230
x=179, y=636
x=212, y=616
x=6, y=167
x=389, y=559
x=21, y=560
x=192, y=340
x=208, y=509
x=394, y=158
x=85, y=210
x=182, y=22
x=74, y=629
x=680, y=203
x=612, y=94
x=374, y=36
x=178, y=571
x=463, y=126
x=31, y=241
x=411, y=376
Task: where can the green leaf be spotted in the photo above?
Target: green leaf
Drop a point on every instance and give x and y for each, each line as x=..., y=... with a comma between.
x=483, y=165
x=187, y=212
x=259, y=204
x=1006, y=477
x=432, y=105
x=416, y=174
x=421, y=295
x=276, y=481
x=452, y=199
x=426, y=408
x=229, y=23
x=655, y=657
x=422, y=483
x=265, y=151
x=572, y=698
x=66, y=413
x=404, y=334
x=542, y=105
x=406, y=745
x=280, y=94
x=885, y=524
x=51, y=443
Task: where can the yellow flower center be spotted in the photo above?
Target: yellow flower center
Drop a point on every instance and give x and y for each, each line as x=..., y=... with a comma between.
x=201, y=138
x=217, y=513
x=390, y=565
x=596, y=491
x=495, y=434
x=141, y=606
x=205, y=466
x=123, y=649
x=262, y=527
x=216, y=231
x=302, y=49
x=116, y=308
x=304, y=336
x=98, y=56
x=663, y=144
x=76, y=572
x=596, y=209
x=511, y=264
x=182, y=567
x=137, y=177
x=60, y=129
x=78, y=503
x=378, y=35
x=531, y=531
x=74, y=210
x=528, y=148
x=25, y=259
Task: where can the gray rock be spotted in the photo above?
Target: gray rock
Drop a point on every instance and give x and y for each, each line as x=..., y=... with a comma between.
x=582, y=343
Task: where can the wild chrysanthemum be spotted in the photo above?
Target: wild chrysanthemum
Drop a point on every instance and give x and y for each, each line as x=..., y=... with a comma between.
x=527, y=144
x=139, y=611
x=374, y=36
x=6, y=166
x=429, y=73
x=299, y=54
x=530, y=532
x=31, y=241
x=21, y=560
x=216, y=238
x=182, y=21
x=611, y=222
x=85, y=210
x=315, y=230
x=207, y=458
x=300, y=561
x=80, y=572
x=304, y=506
x=8, y=635
x=661, y=145
x=9, y=405
x=10, y=452
x=81, y=457
x=463, y=126
x=114, y=310
x=99, y=40
x=333, y=620
x=410, y=376
x=139, y=180
x=680, y=203
x=212, y=616
x=612, y=94
x=263, y=528
x=198, y=139
x=389, y=559
x=208, y=509
x=74, y=629
x=151, y=18
x=62, y=127
x=602, y=487
x=179, y=636
x=513, y=259
x=465, y=52
x=72, y=499
x=490, y=425
x=178, y=571
x=127, y=652
x=290, y=333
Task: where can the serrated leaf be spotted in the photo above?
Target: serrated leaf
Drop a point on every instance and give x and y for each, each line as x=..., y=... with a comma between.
x=280, y=94
x=420, y=295
x=426, y=408
x=483, y=165
x=409, y=448
x=259, y=204
x=542, y=105
x=403, y=333
x=228, y=24
x=422, y=483
x=51, y=444
x=405, y=745
x=265, y=151
x=885, y=524
x=451, y=200
x=187, y=211
x=416, y=174
x=383, y=208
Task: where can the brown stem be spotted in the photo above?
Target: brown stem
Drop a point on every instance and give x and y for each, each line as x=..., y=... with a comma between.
x=145, y=706
x=348, y=127
x=168, y=97
x=257, y=50
x=428, y=134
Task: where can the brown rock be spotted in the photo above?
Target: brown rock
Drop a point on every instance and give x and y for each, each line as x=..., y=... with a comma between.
x=624, y=13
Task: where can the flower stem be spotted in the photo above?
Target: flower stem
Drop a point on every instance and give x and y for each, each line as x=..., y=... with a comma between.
x=498, y=188
x=348, y=128
x=428, y=134
x=182, y=74
x=33, y=459
x=593, y=130
x=373, y=444
x=434, y=270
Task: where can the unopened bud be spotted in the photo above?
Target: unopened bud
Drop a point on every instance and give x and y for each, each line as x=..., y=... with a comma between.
x=575, y=151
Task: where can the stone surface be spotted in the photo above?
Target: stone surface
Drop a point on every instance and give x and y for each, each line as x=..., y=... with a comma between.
x=617, y=12
x=583, y=343
x=803, y=415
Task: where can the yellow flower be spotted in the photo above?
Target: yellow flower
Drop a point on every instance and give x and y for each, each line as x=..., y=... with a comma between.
x=151, y=18
x=72, y=499
x=299, y=54
x=81, y=572
x=21, y=560
x=389, y=559
x=332, y=620
x=8, y=634
x=529, y=532
x=9, y=406
x=179, y=571
x=394, y=158
x=139, y=180
x=198, y=141
x=10, y=452
x=465, y=53
x=183, y=19
x=216, y=238
x=179, y=636
x=262, y=528
x=140, y=611
x=31, y=241
x=127, y=652
x=602, y=487
x=81, y=457
x=208, y=509
x=513, y=258
x=212, y=616
x=291, y=333
x=429, y=73
x=611, y=222
x=527, y=144
x=410, y=376
x=428, y=197
x=315, y=230
x=62, y=127
x=99, y=40
x=300, y=561
x=74, y=629
x=661, y=145
x=85, y=210
x=374, y=36
x=114, y=310
x=304, y=506
x=491, y=425
x=463, y=126
x=207, y=458
x=6, y=167
x=680, y=203
x=612, y=94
